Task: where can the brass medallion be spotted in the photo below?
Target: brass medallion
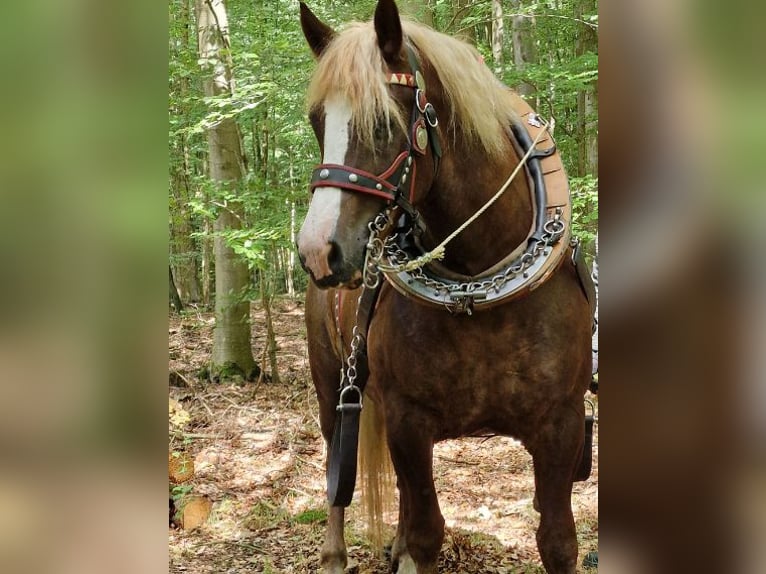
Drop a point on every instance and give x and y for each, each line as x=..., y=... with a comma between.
x=421, y=137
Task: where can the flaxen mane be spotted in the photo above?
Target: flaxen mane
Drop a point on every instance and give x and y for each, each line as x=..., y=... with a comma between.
x=353, y=65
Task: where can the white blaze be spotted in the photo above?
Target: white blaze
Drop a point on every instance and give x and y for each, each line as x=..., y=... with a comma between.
x=324, y=210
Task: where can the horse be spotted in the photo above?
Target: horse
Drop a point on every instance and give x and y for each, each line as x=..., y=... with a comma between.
x=416, y=135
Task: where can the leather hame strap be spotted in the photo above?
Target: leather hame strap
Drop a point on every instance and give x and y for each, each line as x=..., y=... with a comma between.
x=342, y=460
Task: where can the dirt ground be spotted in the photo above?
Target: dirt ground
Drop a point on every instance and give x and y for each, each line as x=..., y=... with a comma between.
x=258, y=457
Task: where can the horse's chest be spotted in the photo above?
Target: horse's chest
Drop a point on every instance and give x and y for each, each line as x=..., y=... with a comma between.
x=465, y=372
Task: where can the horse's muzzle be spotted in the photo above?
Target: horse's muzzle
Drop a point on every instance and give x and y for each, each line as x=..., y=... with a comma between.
x=328, y=268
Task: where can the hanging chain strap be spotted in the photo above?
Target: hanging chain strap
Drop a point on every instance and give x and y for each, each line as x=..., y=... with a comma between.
x=342, y=460
x=350, y=390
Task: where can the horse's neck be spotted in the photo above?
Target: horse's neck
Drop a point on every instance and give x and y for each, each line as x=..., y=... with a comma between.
x=465, y=181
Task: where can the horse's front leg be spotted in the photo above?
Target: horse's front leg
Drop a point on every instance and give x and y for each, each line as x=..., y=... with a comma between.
x=399, y=545
x=421, y=529
x=334, y=556
x=556, y=453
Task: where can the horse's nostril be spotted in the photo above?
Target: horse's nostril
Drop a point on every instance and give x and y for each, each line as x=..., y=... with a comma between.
x=335, y=258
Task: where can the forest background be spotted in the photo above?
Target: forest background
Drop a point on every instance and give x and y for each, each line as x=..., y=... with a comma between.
x=241, y=149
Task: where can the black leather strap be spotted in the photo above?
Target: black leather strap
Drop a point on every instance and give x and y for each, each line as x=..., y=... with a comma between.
x=536, y=171
x=586, y=281
x=341, y=463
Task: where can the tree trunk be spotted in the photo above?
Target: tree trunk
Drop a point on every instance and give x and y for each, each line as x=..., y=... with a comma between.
x=232, y=352
x=206, y=265
x=175, y=299
x=182, y=246
x=587, y=100
x=290, y=271
x=271, y=340
x=497, y=36
x=524, y=50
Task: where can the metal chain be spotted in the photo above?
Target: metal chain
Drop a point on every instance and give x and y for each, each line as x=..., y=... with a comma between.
x=374, y=250
x=370, y=280
x=396, y=258
x=348, y=374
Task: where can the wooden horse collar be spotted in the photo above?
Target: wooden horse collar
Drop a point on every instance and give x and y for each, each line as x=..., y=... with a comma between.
x=531, y=263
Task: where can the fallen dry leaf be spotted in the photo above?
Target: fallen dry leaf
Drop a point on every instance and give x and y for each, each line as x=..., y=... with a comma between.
x=195, y=511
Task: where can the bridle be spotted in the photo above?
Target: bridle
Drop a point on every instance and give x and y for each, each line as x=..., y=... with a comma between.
x=391, y=184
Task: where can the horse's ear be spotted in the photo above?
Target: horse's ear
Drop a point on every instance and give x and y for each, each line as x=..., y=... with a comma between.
x=388, y=28
x=318, y=34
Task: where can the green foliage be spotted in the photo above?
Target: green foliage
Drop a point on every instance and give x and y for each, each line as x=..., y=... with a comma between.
x=271, y=67
x=311, y=516
x=180, y=491
x=584, y=192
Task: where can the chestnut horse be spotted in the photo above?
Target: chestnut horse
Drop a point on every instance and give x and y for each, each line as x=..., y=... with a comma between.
x=519, y=369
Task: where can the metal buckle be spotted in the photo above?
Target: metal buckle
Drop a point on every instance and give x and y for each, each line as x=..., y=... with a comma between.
x=535, y=120
x=343, y=406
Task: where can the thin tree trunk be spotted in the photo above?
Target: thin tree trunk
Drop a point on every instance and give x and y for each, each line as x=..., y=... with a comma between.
x=183, y=248
x=290, y=268
x=523, y=40
x=587, y=100
x=232, y=352
x=175, y=299
x=271, y=339
x=206, y=267
x=497, y=36
x=291, y=254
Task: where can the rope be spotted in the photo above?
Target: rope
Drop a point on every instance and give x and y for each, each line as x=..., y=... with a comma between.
x=438, y=251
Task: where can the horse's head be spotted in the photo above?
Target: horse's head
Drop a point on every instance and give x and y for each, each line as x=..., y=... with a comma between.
x=371, y=122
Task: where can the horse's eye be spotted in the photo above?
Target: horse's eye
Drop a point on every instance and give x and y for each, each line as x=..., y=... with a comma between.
x=382, y=130
x=315, y=122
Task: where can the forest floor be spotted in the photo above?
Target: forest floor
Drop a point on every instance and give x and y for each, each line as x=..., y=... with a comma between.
x=258, y=457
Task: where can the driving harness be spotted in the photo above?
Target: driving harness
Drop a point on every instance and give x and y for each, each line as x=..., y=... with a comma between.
x=525, y=269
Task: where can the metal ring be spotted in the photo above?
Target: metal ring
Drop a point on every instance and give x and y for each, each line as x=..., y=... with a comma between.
x=433, y=122
x=417, y=100
x=348, y=388
x=554, y=226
